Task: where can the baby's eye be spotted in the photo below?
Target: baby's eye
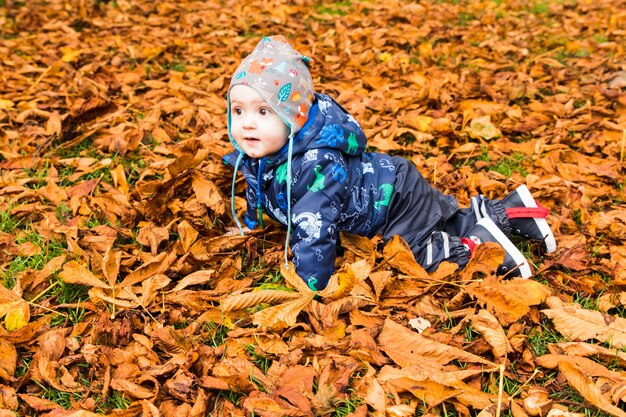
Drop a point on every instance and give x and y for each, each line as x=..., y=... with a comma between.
x=237, y=111
x=264, y=112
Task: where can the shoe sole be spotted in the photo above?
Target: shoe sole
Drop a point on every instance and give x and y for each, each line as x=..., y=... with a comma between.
x=542, y=224
x=508, y=246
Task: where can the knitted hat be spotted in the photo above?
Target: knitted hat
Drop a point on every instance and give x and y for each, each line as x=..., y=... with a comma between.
x=279, y=74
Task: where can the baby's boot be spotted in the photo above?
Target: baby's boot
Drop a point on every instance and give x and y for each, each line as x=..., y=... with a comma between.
x=528, y=218
x=486, y=230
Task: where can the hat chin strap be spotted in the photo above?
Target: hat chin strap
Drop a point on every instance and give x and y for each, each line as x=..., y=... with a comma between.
x=232, y=194
x=288, y=238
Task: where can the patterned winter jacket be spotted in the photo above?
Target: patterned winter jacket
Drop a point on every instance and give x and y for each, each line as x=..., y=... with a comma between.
x=335, y=186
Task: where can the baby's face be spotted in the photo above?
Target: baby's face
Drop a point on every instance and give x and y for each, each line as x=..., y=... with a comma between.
x=256, y=128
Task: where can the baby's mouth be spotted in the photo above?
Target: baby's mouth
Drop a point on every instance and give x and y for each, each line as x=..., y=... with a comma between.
x=251, y=139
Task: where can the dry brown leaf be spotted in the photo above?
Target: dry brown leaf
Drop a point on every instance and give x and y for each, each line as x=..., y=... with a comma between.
x=188, y=235
x=401, y=344
x=293, y=279
x=485, y=259
x=37, y=403
x=141, y=115
x=588, y=389
x=282, y=315
x=149, y=289
x=360, y=245
x=195, y=278
x=610, y=356
x=132, y=389
x=97, y=295
x=253, y=298
x=610, y=300
x=508, y=300
x=152, y=235
x=342, y=282
x=579, y=324
x=8, y=360
x=208, y=193
x=111, y=265
x=398, y=254
x=157, y=265
x=587, y=366
x=485, y=323
x=75, y=273
x=171, y=340
x=420, y=382
x=205, y=248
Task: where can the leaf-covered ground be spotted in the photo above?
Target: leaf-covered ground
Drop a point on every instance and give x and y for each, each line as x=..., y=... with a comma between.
x=122, y=293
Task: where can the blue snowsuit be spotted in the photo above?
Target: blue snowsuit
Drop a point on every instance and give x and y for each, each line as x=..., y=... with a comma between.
x=336, y=186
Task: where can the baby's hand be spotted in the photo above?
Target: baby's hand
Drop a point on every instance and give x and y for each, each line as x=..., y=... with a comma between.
x=234, y=231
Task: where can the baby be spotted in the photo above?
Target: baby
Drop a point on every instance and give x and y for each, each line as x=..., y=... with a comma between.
x=303, y=157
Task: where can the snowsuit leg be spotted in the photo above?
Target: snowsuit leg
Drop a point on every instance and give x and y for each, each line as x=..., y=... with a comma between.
x=431, y=222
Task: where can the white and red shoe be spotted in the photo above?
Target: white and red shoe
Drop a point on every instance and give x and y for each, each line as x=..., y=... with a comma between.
x=528, y=218
x=515, y=264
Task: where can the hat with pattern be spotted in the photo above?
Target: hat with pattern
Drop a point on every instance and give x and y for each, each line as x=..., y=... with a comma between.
x=280, y=75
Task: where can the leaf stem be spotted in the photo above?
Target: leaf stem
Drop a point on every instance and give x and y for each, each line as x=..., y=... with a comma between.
x=621, y=156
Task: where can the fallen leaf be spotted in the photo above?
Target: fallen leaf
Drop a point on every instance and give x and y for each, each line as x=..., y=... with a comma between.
x=579, y=324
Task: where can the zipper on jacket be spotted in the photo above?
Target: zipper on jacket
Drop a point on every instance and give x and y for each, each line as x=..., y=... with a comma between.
x=259, y=194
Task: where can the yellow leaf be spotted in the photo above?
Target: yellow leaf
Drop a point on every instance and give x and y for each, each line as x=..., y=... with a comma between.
x=6, y=104
x=18, y=317
x=70, y=55
x=6, y=307
x=385, y=57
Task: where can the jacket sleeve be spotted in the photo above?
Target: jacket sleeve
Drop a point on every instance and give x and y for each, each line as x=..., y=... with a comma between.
x=319, y=193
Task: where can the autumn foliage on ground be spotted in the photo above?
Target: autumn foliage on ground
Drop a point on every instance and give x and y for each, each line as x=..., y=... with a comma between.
x=124, y=294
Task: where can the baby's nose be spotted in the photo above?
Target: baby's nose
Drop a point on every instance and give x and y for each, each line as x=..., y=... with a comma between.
x=249, y=121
